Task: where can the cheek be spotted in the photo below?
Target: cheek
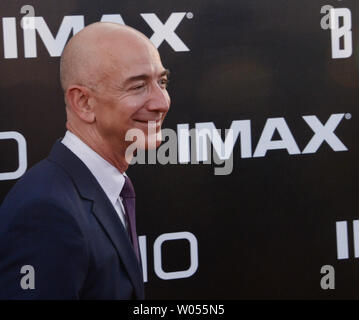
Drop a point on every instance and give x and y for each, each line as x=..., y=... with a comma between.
x=121, y=112
x=103, y=113
x=108, y=117
x=134, y=110
x=130, y=106
x=115, y=116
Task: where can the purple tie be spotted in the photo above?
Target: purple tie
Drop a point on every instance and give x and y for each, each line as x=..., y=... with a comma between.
x=128, y=199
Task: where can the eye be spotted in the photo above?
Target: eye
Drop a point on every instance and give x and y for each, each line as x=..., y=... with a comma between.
x=164, y=82
x=138, y=86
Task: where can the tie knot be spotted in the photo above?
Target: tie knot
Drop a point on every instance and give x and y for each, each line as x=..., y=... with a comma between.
x=128, y=191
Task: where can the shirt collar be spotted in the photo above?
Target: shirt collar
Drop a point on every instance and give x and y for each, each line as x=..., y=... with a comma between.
x=109, y=177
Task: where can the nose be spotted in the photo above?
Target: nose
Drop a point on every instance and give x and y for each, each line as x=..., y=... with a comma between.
x=159, y=99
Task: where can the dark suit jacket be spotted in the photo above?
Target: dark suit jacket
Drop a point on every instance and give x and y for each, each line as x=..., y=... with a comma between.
x=58, y=219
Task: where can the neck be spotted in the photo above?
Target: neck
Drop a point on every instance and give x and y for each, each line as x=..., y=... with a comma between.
x=116, y=156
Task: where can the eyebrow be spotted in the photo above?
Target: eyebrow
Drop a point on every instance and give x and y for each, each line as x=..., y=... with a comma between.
x=166, y=72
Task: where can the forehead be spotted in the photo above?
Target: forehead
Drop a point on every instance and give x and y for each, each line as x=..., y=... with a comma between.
x=134, y=59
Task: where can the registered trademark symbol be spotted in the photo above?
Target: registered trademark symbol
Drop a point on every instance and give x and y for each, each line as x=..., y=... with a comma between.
x=189, y=15
x=348, y=116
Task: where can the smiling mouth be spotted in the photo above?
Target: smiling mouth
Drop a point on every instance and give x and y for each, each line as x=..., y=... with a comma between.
x=150, y=122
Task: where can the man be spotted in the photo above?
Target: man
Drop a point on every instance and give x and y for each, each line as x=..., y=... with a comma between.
x=67, y=228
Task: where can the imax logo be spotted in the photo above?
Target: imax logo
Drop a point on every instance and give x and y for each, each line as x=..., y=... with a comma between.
x=241, y=129
x=194, y=146
x=73, y=24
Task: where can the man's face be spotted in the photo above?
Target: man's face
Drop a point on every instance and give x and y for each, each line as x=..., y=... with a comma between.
x=132, y=96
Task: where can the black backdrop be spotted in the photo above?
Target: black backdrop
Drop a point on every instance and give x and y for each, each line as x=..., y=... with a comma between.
x=266, y=229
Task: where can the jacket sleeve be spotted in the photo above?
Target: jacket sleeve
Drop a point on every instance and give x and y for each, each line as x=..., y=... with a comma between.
x=43, y=253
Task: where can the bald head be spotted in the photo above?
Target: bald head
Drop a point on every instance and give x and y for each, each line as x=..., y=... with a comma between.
x=87, y=57
x=114, y=82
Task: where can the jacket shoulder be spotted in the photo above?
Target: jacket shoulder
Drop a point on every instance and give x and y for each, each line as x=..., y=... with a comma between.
x=44, y=182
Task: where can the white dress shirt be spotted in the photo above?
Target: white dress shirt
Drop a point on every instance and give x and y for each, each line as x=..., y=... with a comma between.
x=110, y=178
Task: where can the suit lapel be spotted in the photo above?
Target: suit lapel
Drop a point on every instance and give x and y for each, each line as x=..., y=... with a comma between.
x=110, y=221
x=102, y=208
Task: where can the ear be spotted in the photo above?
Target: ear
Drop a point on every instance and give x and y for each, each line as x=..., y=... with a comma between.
x=78, y=100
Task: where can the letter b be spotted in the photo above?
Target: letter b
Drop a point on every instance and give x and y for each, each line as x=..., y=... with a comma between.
x=344, y=32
